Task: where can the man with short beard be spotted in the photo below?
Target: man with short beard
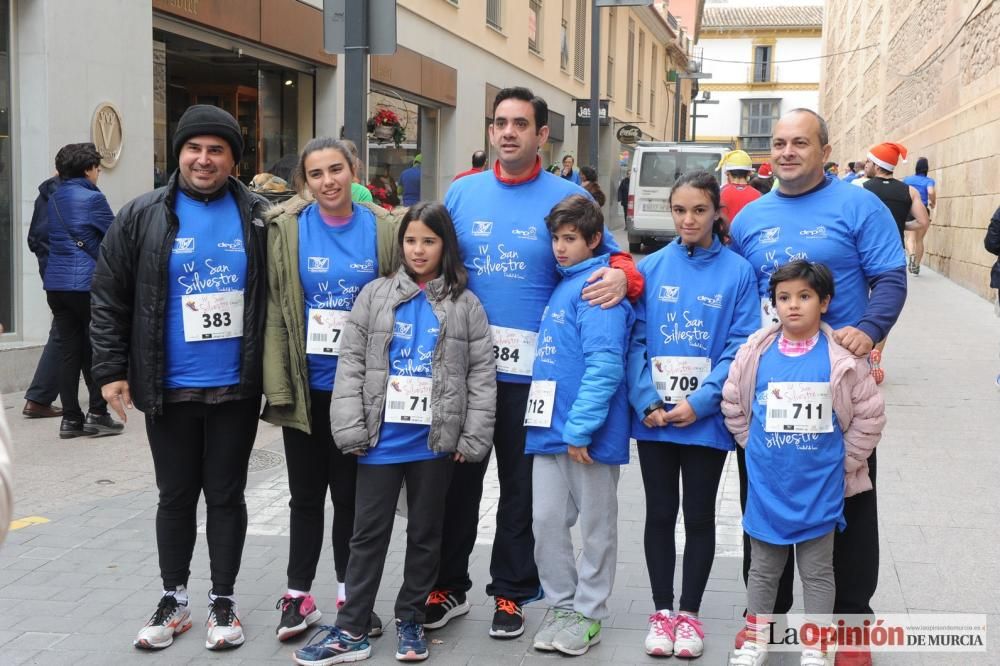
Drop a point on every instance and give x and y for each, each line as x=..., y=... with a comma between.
x=177, y=328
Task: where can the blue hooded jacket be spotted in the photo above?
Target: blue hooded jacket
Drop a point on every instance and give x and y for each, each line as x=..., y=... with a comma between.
x=582, y=347
x=77, y=211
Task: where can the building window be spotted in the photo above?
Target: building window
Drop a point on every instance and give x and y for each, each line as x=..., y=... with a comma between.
x=612, y=27
x=630, y=66
x=580, y=39
x=564, y=37
x=642, y=71
x=652, y=85
x=758, y=118
x=762, y=64
x=535, y=25
x=493, y=17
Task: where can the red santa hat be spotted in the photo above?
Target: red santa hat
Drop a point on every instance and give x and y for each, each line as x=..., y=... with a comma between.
x=887, y=155
x=764, y=170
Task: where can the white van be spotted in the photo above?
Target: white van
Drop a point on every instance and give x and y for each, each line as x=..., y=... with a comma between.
x=655, y=167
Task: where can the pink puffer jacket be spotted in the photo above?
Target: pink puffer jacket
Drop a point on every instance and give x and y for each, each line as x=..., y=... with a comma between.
x=857, y=402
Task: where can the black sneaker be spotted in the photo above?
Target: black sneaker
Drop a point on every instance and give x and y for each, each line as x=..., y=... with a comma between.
x=69, y=429
x=374, y=626
x=297, y=615
x=103, y=425
x=508, y=620
x=442, y=606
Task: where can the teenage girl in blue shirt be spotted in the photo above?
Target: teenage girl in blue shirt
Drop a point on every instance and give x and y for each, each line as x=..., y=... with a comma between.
x=699, y=306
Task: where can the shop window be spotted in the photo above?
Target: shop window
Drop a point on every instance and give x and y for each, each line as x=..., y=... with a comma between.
x=8, y=247
x=386, y=162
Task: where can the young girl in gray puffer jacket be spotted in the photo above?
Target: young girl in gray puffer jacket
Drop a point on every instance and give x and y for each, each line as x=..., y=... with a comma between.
x=415, y=392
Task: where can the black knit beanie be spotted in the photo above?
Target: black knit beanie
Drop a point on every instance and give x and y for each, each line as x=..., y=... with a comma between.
x=205, y=119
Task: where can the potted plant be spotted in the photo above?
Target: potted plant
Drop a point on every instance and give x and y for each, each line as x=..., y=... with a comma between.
x=385, y=126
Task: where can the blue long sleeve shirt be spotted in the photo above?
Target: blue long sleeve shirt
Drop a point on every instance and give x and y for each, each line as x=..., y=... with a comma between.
x=698, y=306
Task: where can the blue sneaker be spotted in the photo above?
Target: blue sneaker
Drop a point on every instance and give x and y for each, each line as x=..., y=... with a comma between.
x=337, y=647
x=412, y=644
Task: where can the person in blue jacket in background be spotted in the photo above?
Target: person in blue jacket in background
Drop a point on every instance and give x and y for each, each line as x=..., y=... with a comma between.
x=577, y=418
x=699, y=306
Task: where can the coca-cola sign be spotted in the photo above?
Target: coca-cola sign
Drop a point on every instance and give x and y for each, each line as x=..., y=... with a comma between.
x=629, y=134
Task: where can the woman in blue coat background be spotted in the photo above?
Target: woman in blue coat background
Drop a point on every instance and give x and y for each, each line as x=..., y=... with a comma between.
x=79, y=216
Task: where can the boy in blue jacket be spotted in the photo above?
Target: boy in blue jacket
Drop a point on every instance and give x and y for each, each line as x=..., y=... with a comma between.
x=578, y=433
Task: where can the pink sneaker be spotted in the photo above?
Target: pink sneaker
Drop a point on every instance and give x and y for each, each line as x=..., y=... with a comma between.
x=297, y=615
x=688, y=636
x=660, y=638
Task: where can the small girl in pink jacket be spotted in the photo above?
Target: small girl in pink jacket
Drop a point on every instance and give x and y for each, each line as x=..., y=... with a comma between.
x=809, y=414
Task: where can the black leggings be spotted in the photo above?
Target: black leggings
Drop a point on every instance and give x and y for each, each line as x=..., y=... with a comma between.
x=315, y=464
x=200, y=447
x=71, y=315
x=663, y=466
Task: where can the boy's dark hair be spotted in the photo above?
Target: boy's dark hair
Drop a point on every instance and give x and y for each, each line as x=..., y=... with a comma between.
x=74, y=160
x=922, y=166
x=589, y=173
x=437, y=219
x=525, y=95
x=577, y=211
x=706, y=182
x=817, y=276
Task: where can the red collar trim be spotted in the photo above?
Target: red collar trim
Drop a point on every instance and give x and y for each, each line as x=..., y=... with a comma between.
x=535, y=170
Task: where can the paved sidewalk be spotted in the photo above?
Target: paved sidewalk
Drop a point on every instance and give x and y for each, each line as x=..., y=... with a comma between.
x=76, y=589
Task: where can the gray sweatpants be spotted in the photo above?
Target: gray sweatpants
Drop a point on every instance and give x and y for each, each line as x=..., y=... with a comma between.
x=562, y=491
x=815, y=560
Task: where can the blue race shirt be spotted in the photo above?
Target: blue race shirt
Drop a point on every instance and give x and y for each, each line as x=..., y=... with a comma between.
x=334, y=264
x=507, y=248
x=705, y=305
x=920, y=184
x=795, y=488
x=570, y=329
x=845, y=227
x=411, y=351
x=208, y=257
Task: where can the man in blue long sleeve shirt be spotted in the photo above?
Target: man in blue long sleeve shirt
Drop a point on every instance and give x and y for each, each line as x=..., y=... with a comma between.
x=819, y=218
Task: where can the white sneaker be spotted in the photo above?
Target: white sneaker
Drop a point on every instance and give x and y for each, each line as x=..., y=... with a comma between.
x=751, y=654
x=660, y=637
x=688, y=636
x=224, y=628
x=169, y=619
x=816, y=658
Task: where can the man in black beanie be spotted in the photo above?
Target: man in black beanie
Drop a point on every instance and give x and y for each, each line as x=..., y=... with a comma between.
x=177, y=326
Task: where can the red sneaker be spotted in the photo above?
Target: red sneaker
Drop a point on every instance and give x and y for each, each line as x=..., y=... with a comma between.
x=854, y=657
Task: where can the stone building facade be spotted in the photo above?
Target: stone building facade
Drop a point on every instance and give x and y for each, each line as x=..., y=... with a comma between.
x=927, y=75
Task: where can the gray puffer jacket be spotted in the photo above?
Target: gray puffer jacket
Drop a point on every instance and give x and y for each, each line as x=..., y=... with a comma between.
x=464, y=387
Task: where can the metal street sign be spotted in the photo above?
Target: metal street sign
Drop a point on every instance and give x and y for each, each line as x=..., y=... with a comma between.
x=380, y=17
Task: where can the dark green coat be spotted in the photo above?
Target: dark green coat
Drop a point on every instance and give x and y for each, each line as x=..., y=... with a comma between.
x=286, y=377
